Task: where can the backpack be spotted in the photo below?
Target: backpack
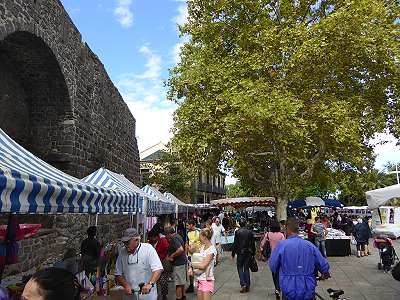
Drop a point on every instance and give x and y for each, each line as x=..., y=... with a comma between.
x=267, y=249
x=396, y=271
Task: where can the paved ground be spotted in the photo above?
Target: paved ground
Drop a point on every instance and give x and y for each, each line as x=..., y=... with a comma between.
x=358, y=277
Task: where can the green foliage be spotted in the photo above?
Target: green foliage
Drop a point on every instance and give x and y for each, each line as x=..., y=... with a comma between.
x=238, y=190
x=282, y=91
x=170, y=175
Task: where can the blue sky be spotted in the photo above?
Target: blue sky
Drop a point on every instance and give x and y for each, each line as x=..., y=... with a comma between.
x=138, y=41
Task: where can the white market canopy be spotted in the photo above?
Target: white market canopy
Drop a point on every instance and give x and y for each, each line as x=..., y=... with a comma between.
x=244, y=201
x=379, y=197
x=30, y=185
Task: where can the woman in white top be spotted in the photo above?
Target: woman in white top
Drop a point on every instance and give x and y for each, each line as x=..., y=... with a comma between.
x=205, y=268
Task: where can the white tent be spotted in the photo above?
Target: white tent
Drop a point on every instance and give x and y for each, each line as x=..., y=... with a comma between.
x=379, y=197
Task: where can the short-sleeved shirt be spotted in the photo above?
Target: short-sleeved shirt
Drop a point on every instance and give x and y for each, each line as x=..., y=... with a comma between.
x=194, y=239
x=217, y=233
x=174, y=245
x=320, y=229
x=138, y=267
x=205, y=252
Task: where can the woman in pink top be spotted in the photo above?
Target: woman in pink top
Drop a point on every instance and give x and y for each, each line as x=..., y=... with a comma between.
x=273, y=236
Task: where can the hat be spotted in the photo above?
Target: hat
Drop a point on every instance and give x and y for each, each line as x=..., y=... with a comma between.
x=129, y=234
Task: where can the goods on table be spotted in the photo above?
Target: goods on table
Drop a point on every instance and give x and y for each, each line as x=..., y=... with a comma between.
x=336, y=234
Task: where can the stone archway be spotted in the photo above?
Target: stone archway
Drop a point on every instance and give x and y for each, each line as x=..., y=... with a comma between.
x=35, y=107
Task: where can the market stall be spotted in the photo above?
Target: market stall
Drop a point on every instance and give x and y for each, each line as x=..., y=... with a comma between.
x=337, y=243
x=386, y=218
x=31, y=186
x=243, y=202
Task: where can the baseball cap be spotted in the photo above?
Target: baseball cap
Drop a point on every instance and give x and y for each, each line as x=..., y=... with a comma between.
x=129, y=234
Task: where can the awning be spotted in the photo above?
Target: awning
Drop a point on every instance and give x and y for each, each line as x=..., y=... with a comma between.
x=315, y=202
x=162, y=206
x=244, y=201
x=30, y=185
x=108, y=179
x=379, y=197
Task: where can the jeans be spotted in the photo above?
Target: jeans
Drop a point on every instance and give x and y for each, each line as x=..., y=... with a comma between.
x=242, y=264
x=320, y=244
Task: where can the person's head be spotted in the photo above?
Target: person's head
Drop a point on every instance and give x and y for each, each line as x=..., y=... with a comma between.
x=208, y=224
x=131, y=239
x=205, y=235
x=292, y=226
x=50, y=284
x=169, y=232
x=153, y=236
x=242, y=222
x=275, y=227
x=191, y=225
x=91, y=231
x=217, y=221
x=317, y=219
x=359, y=220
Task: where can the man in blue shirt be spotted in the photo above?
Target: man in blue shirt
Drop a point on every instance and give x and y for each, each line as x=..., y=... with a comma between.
x=296, y=260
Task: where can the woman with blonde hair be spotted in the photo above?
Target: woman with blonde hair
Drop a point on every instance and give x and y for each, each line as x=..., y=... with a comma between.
x=204, y=267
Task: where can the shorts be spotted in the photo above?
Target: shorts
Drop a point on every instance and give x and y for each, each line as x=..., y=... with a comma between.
x=205, y=286
x=180, y=274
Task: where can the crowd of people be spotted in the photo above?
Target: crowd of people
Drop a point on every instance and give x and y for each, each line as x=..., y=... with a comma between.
x=187, y=254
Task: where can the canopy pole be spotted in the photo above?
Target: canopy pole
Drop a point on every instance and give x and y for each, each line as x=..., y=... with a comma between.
x=145, y=203
x=97, y=218
x=89, y=221
x=380, y=215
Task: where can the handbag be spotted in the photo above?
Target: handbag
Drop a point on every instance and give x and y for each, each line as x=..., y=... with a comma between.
x=267, y=249
x=253, y=264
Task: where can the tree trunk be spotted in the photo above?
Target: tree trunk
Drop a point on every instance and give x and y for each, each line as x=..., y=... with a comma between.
x=281, y=204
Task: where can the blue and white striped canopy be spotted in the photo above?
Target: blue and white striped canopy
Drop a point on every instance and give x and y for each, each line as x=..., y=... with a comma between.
x=110, y=180
x=30, y=185
x=162, y=206
x=182, y=206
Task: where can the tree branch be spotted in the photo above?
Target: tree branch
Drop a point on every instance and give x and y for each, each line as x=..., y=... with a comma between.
x=316, y=159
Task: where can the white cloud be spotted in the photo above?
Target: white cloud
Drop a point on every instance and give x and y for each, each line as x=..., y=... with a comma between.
x=387, y=151
x=182, y=16
x=123, y=13
x=153, y=64
x=145, y=95
x=153, y=124
x=176, y=52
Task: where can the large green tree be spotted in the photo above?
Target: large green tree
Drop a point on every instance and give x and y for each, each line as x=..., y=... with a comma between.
x=281, y=90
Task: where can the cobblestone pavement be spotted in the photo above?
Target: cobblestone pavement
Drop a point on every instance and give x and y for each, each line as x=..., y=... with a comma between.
x=358, y=277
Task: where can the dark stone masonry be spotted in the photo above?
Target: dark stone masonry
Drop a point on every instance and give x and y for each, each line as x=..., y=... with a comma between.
x=56, y=98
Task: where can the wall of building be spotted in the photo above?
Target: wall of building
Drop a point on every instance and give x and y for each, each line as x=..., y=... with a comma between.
x=59, y=233
x=56, y=97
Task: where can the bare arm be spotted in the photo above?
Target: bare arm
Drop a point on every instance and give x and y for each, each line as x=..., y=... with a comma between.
x=122, y=281
x=204, y=264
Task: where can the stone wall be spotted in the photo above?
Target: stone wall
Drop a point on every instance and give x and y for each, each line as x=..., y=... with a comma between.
x=59, y=233
x=60, y=102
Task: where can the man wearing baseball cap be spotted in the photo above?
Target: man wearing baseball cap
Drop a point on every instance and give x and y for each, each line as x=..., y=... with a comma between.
x=137, y=263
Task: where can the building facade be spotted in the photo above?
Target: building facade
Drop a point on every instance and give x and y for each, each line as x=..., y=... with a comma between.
x=207, y=187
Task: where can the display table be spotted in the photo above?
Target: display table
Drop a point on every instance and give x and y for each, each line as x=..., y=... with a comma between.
x=338, y=247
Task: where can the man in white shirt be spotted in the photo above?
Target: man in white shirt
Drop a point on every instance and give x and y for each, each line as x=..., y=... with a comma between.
x=221, y=216
x=216, y=239
x=137, y=263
